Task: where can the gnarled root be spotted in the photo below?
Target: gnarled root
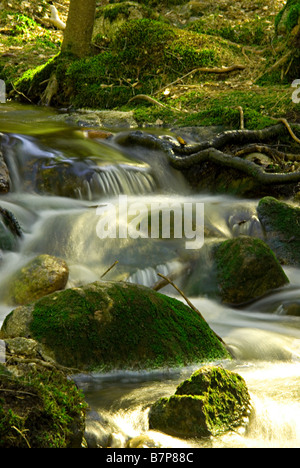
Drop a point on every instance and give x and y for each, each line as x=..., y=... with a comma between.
x=184, y=157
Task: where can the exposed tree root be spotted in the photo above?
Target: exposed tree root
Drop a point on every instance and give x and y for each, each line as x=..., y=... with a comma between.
x=203, y=70
x=145, y=97
x=185, y=156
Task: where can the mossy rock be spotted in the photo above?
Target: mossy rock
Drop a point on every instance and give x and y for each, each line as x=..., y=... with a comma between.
x=281, y=222
x=40, y=410
x=110, y=325
x=111, y=17
x=288, y=18
x=211, y=402
x=246, y=270
x=41, y=276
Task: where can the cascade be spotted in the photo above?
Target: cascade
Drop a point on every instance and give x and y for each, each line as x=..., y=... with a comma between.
x=61, y=219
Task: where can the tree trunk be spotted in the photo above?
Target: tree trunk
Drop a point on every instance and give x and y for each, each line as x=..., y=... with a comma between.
x=79, y=29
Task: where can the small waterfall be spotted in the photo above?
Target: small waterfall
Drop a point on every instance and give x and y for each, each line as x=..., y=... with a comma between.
x=115, y=180
x=148, y=276
x=36, y=168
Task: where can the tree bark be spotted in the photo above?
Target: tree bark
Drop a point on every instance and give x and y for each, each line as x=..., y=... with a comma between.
x=79, y=28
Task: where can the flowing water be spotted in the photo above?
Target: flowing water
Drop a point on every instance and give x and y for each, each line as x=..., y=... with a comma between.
x=59, y=217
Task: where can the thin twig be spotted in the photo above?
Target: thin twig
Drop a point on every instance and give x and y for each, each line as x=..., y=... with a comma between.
x=285, y=122
x=203, y=70
x=189, y=303
x=110, y=268
x=21, y=94
x=147, y=98
x=22, y=435
x=163, y=282
x=182, y=294
x=8, y=390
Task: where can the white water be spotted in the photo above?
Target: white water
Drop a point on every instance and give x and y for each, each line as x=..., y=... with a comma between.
x=265, y=342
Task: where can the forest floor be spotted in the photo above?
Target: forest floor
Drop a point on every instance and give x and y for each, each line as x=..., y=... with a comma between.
x=247, y=28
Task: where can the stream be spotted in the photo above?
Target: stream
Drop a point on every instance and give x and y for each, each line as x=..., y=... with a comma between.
x=61, y=218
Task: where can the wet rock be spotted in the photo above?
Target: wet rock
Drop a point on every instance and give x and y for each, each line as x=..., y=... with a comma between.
x=84, y=328
x=281, y=222
x=141, y=441
x=211, y=402
x=4, y=175
x=292, y=308
x=41, y=276
x=7, y=240
x=246, y=270
x=102, y=118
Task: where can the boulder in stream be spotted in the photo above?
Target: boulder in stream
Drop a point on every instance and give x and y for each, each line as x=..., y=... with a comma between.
x=281, y=222
x=41, y=276
x=212, y=401
x=246, y=270
x=115, y=325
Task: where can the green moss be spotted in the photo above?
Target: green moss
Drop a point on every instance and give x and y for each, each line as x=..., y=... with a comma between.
x=289, y=15
x=249, y=33
x=246, y=270
x=281, y=222
x=85, y=327
x=112, y=11
x=39, y=410
x=211, y=402
x=149, y=53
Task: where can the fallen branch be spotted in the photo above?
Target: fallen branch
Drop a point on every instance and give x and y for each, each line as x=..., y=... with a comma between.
x=203, y=70
x=21, y=94
x=144, y=97
x=189, y=303
x=168, y=280
x=164, y=282
x=183, y=157
x=110, y=268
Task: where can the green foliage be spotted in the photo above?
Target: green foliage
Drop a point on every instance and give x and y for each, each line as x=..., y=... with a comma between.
x=42, y=412
x=290, y=13
x=250, y=33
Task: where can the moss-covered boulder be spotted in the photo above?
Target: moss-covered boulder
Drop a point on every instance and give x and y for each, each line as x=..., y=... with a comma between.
x=111, y=17
x=211, y=402
x=110, y=325
x=288, y=18
x=281, y=222
x=41, y=276
x=246, y=270
x=40, y=409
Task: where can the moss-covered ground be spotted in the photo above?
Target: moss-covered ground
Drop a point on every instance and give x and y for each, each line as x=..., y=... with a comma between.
x=38, y=410
x=155, y=57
